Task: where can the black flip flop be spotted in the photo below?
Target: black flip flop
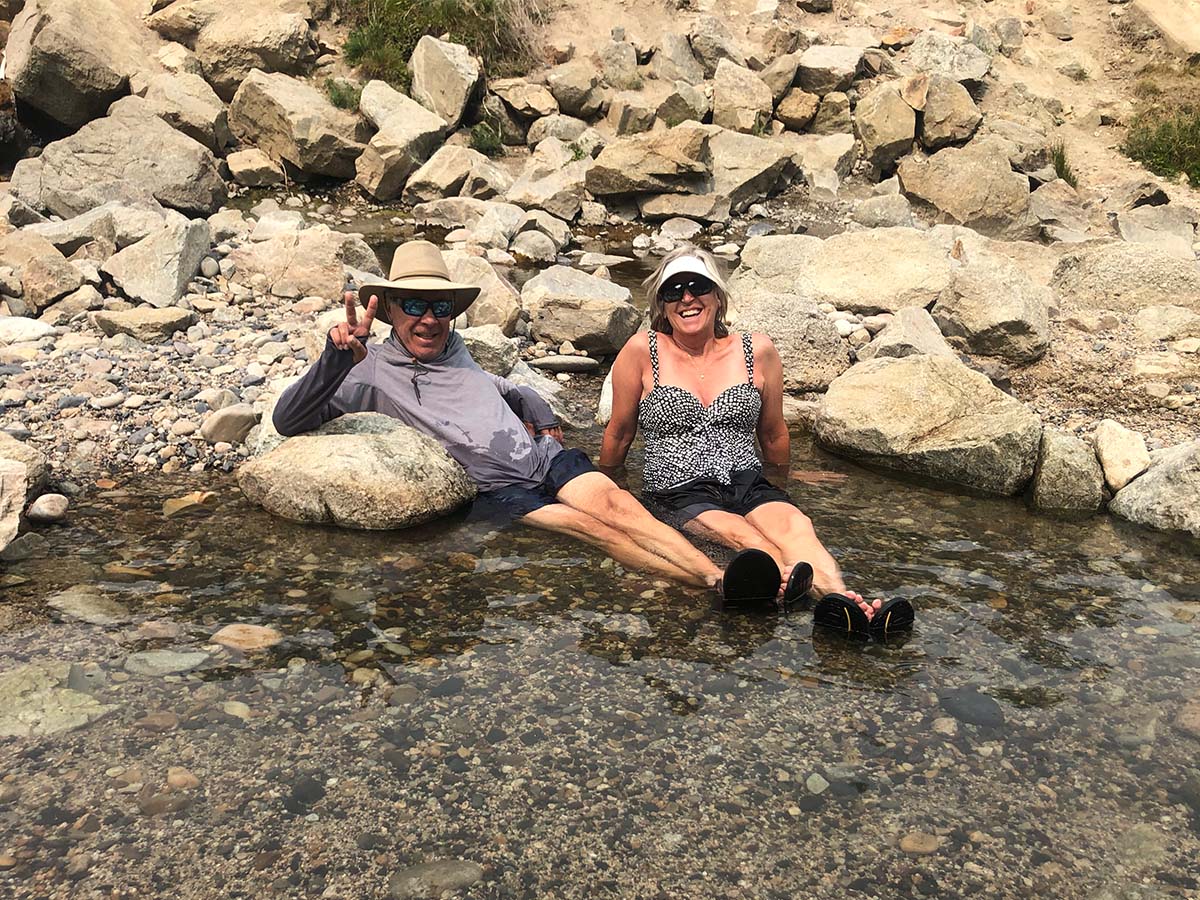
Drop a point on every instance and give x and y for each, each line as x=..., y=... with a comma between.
x=751, y=581
x=799, y=583
x=837, y=613
x=894, y=616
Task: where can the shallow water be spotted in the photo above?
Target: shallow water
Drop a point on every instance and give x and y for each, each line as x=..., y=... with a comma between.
x=459, y=691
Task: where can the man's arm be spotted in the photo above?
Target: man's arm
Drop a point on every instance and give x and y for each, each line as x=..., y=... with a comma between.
x=526, y=403
x=312, y=401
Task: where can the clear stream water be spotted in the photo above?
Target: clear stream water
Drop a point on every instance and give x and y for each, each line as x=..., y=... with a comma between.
x=579, y=731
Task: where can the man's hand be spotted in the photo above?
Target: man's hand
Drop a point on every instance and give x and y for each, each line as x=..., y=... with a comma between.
x=352, y=334
x=554, y=431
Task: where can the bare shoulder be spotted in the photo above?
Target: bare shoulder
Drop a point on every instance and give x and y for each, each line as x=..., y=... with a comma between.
x=764, y=347
x=636, y=349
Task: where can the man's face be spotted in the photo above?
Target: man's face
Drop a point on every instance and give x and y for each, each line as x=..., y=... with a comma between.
x=424, y=335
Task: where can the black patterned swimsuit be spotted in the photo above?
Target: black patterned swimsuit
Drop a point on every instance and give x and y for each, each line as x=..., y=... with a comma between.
x=687, y=441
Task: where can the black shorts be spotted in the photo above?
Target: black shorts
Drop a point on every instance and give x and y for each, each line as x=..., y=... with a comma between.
x=746, y=491
x=516, y=500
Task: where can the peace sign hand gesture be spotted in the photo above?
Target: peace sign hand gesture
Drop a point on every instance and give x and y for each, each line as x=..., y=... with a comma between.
x=352, y=334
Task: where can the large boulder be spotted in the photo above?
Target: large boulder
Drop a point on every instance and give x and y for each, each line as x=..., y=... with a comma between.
x=569, y=305
x=746, y=169
x=823, y=159
x=1167, y=496
x=260, y=37
x=491, y=348
x=575, y=87
x=144, y=323
x=445, y=78
x=308, y=263
x=498, y=303
x=812, y=352
x=911, y=333
x=45, y=274
x=188, y=103
x=1068, y=478
x=1123, y=276
x=71, y=59
x=973, y=186
x=907, y=269
x=741, y=101
x=157, y=269
x=359, y=471
x=674, y=61
x=886, y=125
x=293, y=122
x=125, y=157
x=675, y=161
x=552, y=180
x=950, y=115
x=953, y=57
x=826, y=68
x=442, y=175
x=712, y=42
x=995, y=309
x=407, y=136
x=37, y=469
x=931, y=416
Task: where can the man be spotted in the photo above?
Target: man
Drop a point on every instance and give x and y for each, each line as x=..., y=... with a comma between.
x=505, y=437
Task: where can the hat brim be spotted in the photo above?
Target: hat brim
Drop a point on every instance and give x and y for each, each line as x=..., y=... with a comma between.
x=464, y=294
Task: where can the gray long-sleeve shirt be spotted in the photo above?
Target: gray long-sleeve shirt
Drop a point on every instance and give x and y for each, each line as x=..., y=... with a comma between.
x=477, y=416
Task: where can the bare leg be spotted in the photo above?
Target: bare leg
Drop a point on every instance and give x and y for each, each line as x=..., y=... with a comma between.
x=598, y=495
x=563, y=519
x=734, y=531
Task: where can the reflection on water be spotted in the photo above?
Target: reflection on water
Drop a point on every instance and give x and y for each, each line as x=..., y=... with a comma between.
x=498, y=695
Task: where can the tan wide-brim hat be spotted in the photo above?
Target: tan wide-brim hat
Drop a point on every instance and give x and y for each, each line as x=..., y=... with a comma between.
x=418, y=266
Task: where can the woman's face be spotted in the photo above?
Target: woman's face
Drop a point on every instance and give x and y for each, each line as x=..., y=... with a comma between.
x=695, y=310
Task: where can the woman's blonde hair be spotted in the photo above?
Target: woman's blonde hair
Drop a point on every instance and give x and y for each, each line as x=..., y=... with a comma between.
x=658, y=310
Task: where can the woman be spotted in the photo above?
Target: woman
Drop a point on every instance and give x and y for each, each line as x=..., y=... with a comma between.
x=700, y=396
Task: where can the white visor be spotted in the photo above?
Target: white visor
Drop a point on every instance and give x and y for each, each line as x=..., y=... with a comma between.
x=691, y=264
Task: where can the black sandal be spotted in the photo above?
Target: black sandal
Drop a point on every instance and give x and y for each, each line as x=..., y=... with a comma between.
x=837, y=613
x=751, y=581
x=894, y=616
x=799, y=583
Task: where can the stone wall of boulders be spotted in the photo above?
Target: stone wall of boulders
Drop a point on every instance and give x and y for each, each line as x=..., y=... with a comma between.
x=127, y=284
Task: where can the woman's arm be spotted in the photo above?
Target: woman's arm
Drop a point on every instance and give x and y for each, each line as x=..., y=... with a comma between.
x=627, y=374
x=772, y=429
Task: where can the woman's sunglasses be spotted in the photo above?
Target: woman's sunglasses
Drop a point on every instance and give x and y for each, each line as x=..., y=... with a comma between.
x=698, y=286
x=416, y=306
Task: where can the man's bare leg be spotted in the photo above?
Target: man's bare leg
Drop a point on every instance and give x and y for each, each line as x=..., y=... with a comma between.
x=563, y=519
x=599, y=496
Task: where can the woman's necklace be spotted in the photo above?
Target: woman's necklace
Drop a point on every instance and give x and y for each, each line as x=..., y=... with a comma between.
x=698, y=368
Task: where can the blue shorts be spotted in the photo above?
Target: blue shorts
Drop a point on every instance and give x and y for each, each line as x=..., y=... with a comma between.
x=516, y=500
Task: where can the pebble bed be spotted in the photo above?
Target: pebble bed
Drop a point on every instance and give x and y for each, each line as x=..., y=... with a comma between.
x=489, y=710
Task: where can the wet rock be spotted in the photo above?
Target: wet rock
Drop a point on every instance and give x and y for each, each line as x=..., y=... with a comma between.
x=445, y=78
x=955, y=58
x=1124, y=276
x=812, y=353
x=304, y=793
x=144, y=323
x=741, y=101
x=568, y=305
x=996, y=310
x=88, y=604
x=433, y=879
x=1167, y=495
x=931, y=416
x=292, y=121
x=1122, y=453
x=911, y=333
x=156, y=663
x=973, y=707
x=34, y=703
x=319, y=477
x=246, y=637
x=1068, y=477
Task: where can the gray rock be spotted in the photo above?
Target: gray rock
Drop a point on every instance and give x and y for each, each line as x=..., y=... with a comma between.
x=631, y=112
x=668, y=161
x=954, y=57
x=711, y=42
x=239, y=42
x=253, y=168
x=812, y=353
x=1122, y=453
x=1010, y=34
x=553, y=227
x=489, y=347
x=19, y=330
x=996, y=310
x=824, y=160
x=527, y=100
x=674, y=61
x=1171, y=228
x=534, y=246
x=157, y=663
x=158, y=268
x=303, y=263
x=88, y=604
x=1068, y=478
x=13, y=487
x=35, y=703
x=359, y=471
x=553, y=180
x=934, y=417
x=1167, y=323
x=37, y=468
x=499, y=303
x=833, y=115
x=568, y=305
x=911, y=333
x=951, y=116
x=684, y=103
x=780, y=75
x=434, y=879
x=1059, y=211
x=567, y=129
x=1123, y=276
x=558, y=363
x=886, y=211
x=446, y=79
x=189, y=104
x=230, y=424
x=886, y=125
x=826, y=68
x=144, y=323
x=618, y=65
x=114, y=223
x=741, y=100
x=574, y=85
x=443, y=175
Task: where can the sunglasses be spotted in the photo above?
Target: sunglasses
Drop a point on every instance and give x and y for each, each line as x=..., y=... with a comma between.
x=416, y=306
x=698, y=286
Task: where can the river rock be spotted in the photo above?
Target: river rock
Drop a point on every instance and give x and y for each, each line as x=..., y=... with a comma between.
x=70, y=59
x=1167, y=495
x=552, y=180
x=491, y=348
x=534, y=247
x=826, y=68
x=673, y=60
x=951, y=116
x=886, y=125
x=439, y=878
x=711, y=42
x=293, y=122
x=189, y=104
x=955, y=58
x=568, y=305
x=812, y=352
x=304, y=263
x=247, y=638
x=575, y=87
x=48, y=509
x=1068, y=478
x=443, y=175
x=996, y=310
x=499, y=303
x=1122, y=453
x=934, y=417
x=559, y=363
x=157, y=663
x=363, y=470
x=253, y=168
x=147, y=324
x=884, y=211
x=158, y=268
x=34, y=701
x=741, y=101
x=19, y=330
x=88, y=604
x=12, y=498
x=262, y=38
x=973, y=186
x=972, y=706
x=667, y=161
x=911, y=333
x=445, y=78
x=229, y=425
x=1122, y=276
x=37, y=468
x=911, y=270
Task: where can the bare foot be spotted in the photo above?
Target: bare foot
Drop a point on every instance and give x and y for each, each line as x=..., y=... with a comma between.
x=867, y=606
